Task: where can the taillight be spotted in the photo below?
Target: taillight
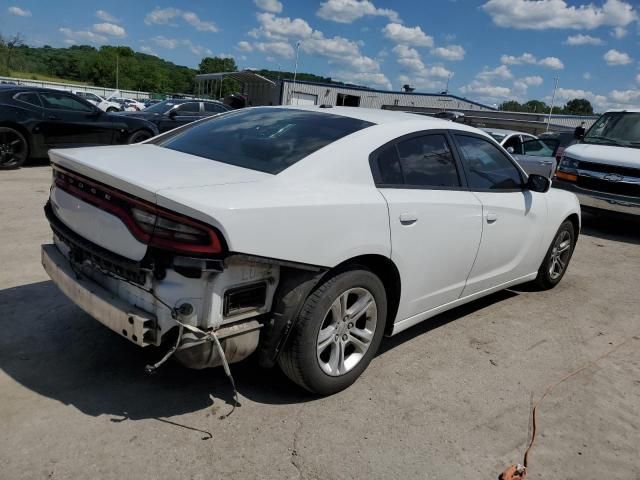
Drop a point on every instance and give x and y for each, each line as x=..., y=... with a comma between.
x=149, y=224
x=172, y=231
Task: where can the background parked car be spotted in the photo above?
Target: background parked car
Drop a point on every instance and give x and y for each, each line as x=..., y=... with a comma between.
x=128, y=104
x=534, y=155
x=98, y=101
x=566, y=139
x=169, y=114
x=33, y=120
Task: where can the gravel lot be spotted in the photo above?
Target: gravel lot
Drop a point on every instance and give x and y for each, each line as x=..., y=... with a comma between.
x=447, y=399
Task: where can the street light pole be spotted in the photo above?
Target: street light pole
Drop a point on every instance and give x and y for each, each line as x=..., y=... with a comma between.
x=553, y=99
x=117, y=70
x=295, y=70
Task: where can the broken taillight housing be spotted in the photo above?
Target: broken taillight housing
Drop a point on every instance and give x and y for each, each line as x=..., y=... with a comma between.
x=149, y=224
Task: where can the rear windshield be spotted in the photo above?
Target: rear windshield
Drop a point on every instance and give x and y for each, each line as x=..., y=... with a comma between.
x=264, y=139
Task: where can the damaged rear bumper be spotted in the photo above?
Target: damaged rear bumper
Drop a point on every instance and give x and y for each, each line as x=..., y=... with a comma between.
x=134, y=324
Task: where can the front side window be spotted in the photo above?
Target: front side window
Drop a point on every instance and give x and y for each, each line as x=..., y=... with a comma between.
x=264, y=139
x=486, y=166
x=60, y=101
x=539, y=148
x=515, y=144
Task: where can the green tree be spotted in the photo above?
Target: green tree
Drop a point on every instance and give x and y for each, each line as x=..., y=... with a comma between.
x=536, y=106
x=217, y=64
x=511, y=106
x=578, y=106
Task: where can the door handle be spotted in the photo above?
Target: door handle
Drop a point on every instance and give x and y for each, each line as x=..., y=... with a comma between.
x=492, y=217
x=544, y=162
x=53, y=117
x=408, y=218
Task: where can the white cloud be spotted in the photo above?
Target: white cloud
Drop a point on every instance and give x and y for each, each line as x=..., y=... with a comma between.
x=614, y=57
x=273, y=6
x=551, y=62
x=244, y=46
x=521, y=85
x=619, y=32
x=614, y=99
x=20, y=12
x=280, y=49
x=418, y=74
x=413, y=36
x=347, y=11
x=638, y=78
x=529, y=59
x=502, y=72
x=545, y=14
x=486, y=92
x=281, y=27
x=109, y=29
x=79, y=36
x=162, y=16
x=106, y=16
x=581, y=39
x=452, y=52
x=147, y=49
x=625, y=97
x=586, y=76
x=165, y=42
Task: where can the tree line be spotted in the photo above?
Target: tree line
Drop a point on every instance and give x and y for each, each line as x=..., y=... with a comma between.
x=577, y=106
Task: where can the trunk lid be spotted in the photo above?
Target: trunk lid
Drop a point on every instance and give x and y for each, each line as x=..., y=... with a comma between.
x=142, y=170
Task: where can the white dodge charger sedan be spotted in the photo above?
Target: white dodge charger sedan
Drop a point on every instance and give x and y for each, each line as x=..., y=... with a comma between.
x=301, y=234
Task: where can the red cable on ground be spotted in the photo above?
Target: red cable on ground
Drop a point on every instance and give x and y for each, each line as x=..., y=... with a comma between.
x=519, y=472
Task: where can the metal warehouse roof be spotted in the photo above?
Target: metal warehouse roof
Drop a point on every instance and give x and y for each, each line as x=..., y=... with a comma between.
x=244, y=76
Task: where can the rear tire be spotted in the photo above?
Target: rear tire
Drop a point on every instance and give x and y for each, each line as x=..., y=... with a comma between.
x=557, y=259
x=337, y=333
x=14, y=148
x=112, y=109
x=139, y=136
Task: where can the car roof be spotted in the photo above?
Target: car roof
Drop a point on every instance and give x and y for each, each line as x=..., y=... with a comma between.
x=623, y=110
x=503, y=131
x=380, y=116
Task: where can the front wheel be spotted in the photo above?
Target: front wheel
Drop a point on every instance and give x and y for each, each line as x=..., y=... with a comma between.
x=139, y=136
x=14, y=149
x=112, y=109
x=338, y=332
x=556, y=261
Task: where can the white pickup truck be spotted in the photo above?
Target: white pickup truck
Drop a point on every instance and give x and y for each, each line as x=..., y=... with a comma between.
x=604, y=169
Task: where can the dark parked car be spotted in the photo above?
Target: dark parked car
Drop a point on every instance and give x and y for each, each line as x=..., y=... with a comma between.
x=566, y=139
x=33, y=120
x=172, y=113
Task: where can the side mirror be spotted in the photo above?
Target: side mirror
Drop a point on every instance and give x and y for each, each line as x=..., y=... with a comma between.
x=538, y=183
x=511, y=150
x=173, y=114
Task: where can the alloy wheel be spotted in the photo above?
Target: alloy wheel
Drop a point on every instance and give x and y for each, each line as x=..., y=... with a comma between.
x=347, y=331
x=560, y=255
x=13, y=148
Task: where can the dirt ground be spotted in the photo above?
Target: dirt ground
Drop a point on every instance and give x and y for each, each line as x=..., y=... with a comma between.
x=446, y=399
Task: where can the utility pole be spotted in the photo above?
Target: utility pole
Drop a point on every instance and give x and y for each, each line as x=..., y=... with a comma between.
x=295, y=70
x=117, y=70
x=447, y=89
x=553, y=99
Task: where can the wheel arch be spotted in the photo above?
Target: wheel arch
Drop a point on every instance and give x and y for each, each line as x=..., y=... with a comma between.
x=388, y=273
x=575, y=220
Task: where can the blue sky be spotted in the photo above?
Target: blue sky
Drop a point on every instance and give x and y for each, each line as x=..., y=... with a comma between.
x=492, y=50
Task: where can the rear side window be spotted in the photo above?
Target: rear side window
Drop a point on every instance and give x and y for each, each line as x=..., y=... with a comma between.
x=30, y=98
x=486, y=166
x=264, y=139
x=214, y=107
x=427, y=161
x=424, y=161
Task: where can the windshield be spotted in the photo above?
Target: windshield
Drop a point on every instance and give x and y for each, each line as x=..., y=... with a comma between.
x=161, y=107
x=616, y=128
x=264, y=139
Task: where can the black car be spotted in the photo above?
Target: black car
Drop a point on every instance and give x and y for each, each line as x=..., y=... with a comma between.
x=172, y=113
x=33, y=120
